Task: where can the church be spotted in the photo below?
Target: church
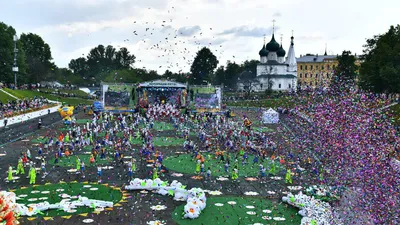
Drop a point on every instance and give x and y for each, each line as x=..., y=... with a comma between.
x=274, y=72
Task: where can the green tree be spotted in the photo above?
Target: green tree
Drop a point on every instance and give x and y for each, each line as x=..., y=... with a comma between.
x=380, y=69
x=124, y=59
x=7, y=56
x=79, y=66
x=203, y=66
x=232, y=73
x=219, y=76
x=345, y=73
x=38, y=57
x=251, y=66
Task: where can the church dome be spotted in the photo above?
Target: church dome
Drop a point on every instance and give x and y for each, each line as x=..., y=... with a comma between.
x=263, y=51
x=281, y=52
x=273, y=46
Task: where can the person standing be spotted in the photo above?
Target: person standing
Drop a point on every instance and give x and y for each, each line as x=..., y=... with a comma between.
x=32, y=175
x=10, y=176
x=20, y=167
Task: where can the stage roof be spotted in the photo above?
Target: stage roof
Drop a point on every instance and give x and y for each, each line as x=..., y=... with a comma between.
x=162, y=83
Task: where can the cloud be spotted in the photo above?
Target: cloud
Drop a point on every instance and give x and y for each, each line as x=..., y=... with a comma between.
x=188, y=31
x=277, y=14
x=245, y=31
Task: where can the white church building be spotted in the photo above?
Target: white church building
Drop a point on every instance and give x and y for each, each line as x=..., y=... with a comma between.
x=274, y=72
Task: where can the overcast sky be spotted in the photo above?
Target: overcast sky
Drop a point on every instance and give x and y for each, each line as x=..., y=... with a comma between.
x=167, y=34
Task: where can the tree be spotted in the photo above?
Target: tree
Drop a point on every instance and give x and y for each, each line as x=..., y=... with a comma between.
x=7, y=56
x=380, y=69
x=219, y=76
x=251, y=66
x=79, y=66
x=247, y=79
x=203, y=66
x=38, y=57
x=345, y=73
x=124, y=59
x=232, y=73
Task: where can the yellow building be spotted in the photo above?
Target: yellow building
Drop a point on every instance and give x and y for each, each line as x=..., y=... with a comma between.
x=316, y=70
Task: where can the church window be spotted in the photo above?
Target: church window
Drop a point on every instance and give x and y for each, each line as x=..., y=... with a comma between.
x=305, y=75
x=279, y=85
x=322, y=67
x=301, y=75
x=301, y=67
x=310, y=75
x=311, y=67
x=306, y=67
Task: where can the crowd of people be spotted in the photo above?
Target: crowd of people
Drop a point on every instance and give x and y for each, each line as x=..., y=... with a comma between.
x=17, y=107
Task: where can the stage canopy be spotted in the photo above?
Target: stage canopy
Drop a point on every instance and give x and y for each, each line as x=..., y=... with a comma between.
x=270, y=116
x=161, y=84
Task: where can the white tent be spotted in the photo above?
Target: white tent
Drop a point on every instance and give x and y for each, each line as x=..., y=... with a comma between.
x=270, y=116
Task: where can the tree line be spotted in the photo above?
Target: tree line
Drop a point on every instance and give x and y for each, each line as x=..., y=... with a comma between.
x=379, y=71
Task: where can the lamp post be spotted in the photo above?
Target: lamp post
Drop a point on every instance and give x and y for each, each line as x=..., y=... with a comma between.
x=15, y=67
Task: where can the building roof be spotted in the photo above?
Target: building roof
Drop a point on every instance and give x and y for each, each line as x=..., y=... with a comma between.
x=315, y=58
x=273, y=46
x=291, y=57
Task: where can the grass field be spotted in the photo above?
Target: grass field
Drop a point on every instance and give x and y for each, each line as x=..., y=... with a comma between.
x=184, y=164
x=70, y=161
x=5, y=97
x=241, y=210
x=284, y=102
x=51, y=193
x=78, y=93
x=31, y=93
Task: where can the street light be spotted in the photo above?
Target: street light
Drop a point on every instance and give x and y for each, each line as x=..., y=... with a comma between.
x=15, y=67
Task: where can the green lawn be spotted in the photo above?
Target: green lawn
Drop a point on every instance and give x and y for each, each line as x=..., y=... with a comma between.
x=184, y=164
x=78, y=93
x=73, y=189
x=284, y=102
x=162, y=141
x=31, y=93
x=71, y=161
x=240, y=213
x=5, y=97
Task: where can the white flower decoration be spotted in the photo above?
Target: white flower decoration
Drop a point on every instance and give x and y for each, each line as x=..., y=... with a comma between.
x=32, y=199
x=88, y=221
x=267, y=211
x=276, y=178
x=60, y=190
x=45, y=192
x=279, y=218
x=94, y=189
x=222, y=179
x=35, y=192
x=250, y=207
x=271, y=192
x=219, y=204
x=215, y=193
x=232, y=203
x=294, y=188
x=158, y=207
x=267, y=218
x=87, y=186
x=250, y=193
x=156, y=222
x=251, y=213
x=176, y=174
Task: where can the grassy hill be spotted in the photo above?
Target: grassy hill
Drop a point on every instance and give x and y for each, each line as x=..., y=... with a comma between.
x=31, y=94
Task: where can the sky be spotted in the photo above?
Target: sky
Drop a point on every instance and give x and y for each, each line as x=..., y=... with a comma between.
x=167, y=34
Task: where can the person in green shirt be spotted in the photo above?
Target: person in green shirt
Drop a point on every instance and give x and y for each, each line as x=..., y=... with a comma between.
x=78, y=164
x=288, y=177
x=235, y=174
x=272, y=170
x=10, y=176
x=155, y=173
x=198, y=166
x=32, y=175
x=20, y=167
